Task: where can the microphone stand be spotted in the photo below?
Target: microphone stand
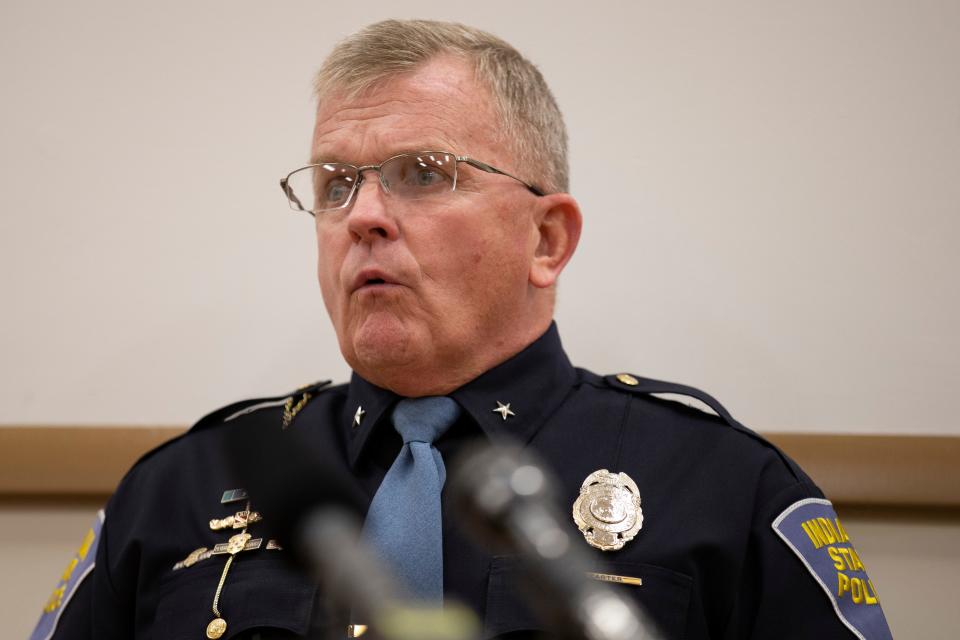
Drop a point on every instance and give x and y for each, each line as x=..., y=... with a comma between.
x=505, y=497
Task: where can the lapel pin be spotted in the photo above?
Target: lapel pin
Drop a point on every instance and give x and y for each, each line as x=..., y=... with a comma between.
x=233, y=495
x=239, y=520
x=195, y=556
x=504, y=410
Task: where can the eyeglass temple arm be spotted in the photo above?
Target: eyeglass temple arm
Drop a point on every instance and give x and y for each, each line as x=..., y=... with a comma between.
x=292, y=196
x=483, y=166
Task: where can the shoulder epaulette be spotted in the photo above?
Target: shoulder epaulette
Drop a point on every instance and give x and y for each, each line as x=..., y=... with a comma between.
x=636, y=384
x=292, y=404
x=648, y=386
x=301, y=396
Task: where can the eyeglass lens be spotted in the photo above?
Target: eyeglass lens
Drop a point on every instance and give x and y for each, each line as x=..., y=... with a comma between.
x=331, y=185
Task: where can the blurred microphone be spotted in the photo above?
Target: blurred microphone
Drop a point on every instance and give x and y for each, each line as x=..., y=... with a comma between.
x=505, y=499
x=312, y=502
x=289, y=475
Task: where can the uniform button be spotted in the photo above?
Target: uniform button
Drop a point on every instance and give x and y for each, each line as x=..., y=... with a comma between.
x=627, y=379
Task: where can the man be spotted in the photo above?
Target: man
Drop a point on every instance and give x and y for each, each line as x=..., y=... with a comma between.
x=438, y=185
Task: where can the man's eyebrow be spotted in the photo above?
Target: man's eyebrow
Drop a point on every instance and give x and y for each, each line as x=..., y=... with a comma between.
x=318, y=158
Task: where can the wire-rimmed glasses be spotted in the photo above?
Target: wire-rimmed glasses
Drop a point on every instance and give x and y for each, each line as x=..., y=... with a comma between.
x=328, y=186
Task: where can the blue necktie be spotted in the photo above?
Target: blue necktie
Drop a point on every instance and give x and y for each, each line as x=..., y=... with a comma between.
x=404, y=522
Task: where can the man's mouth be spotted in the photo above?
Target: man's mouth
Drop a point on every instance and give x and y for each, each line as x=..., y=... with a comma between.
x=372, y=278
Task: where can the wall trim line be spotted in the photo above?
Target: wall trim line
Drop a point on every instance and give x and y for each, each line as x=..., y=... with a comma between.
x=73, y=462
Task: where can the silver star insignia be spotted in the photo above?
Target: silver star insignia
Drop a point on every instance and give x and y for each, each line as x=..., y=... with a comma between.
x=504, y=410
x=358, y=416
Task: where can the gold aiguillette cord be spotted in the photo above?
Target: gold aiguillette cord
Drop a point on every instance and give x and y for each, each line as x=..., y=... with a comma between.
x=218, y=626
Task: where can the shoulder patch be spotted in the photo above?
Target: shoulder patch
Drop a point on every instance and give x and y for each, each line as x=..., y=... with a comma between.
x=812, y=530
x=77, y=569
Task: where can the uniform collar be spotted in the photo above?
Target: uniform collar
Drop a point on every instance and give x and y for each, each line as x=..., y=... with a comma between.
x=532, y=383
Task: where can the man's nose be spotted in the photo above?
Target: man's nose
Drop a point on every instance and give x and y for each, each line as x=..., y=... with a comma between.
x=369, y=217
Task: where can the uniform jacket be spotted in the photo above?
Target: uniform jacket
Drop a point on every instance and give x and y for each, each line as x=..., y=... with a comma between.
x=709, y=559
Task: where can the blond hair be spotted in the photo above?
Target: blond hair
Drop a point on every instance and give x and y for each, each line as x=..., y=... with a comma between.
x=531, y=121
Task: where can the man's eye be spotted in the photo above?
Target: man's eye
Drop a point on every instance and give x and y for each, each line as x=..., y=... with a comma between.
x=336, y=192
x=426, y=177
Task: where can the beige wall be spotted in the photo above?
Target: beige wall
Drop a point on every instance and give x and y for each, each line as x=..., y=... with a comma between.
x=913, y=559
x=771, y=196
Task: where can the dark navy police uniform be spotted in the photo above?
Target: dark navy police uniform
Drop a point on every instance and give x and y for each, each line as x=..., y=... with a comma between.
x=733, y=543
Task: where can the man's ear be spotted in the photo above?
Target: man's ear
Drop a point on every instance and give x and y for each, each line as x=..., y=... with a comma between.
x=558, y=223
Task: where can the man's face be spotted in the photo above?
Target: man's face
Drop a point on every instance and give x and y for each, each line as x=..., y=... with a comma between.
x=419, y=287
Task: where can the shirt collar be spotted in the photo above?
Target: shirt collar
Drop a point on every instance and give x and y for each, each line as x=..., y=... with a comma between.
x=530, y=384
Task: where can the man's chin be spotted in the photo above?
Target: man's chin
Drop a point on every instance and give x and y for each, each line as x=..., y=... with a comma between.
x=381, y=342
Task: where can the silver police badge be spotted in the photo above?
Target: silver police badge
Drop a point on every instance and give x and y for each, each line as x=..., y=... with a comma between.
x=607, y=511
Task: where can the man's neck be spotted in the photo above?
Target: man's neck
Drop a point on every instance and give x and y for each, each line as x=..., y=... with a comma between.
x=441, y=378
